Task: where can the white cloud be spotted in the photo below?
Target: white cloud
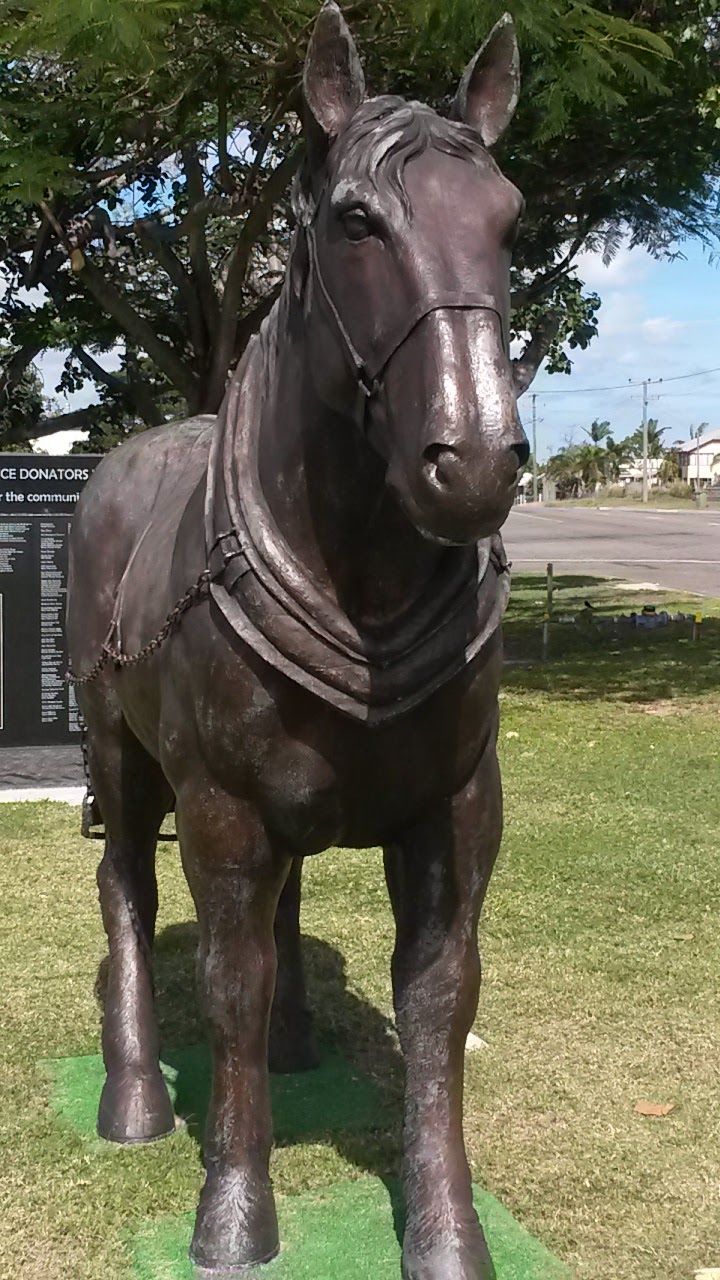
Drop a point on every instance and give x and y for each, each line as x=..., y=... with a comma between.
x=59, y=442
x=628, y=267
x=660, y=330
x=50, y=365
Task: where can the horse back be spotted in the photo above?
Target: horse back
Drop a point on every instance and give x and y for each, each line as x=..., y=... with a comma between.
x=149, y=479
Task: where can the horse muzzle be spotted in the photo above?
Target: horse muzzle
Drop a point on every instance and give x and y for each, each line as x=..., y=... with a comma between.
x=459, y=494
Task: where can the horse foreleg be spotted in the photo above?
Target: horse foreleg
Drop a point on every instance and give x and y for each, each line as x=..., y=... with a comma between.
x=133, y=797
x=235, y=878
x=292, y=1044
x=437, y=875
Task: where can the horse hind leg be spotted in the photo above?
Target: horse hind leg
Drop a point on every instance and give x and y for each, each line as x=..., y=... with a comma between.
x=292, y=1045
x=133, y=798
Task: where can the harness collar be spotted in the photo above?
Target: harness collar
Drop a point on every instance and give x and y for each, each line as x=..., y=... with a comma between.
x=275, y=606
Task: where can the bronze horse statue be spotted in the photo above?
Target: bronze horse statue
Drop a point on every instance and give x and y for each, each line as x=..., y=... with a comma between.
x=329, y=674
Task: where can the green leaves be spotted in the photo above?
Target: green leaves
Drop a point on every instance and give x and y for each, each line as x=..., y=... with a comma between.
x=100, y=30
x=27, y=174
x=578, y=319
x=572, y=51
x=616, y=134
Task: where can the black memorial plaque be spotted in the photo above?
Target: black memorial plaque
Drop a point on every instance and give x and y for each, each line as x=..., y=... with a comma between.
x=37, y=498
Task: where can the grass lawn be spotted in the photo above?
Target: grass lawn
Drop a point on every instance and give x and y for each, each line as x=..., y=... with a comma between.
x=601, y=948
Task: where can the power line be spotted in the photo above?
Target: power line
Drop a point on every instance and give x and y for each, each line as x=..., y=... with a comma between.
x=681, y=395
x=679, y=377
x=625, y=386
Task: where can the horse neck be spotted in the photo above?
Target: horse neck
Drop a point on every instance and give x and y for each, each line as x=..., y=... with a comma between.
x=326, y=490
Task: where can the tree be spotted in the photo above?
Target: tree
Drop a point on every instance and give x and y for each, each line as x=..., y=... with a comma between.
x=579, y=467
x=598, y=431
x=655, y=433
x=617, y=455
x=565, y=468
x=146, y=156
x=668, y=471
x=21, y=407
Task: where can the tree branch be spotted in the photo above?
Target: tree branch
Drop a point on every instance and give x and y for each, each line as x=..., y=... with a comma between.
x=225, y=205
x=139, y=329
x=253, y=227
x=40, y=247
x=14, y=369
x=134, y=391
x=197, y=243
x=226, y=181
x=96, y=371
x=78, y=420
x=148, y=234
x=141, y=393
x=541, y=284
x=527, y=364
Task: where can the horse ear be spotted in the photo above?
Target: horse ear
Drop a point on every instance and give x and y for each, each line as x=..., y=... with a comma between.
x=333, y=80
x=489, y=90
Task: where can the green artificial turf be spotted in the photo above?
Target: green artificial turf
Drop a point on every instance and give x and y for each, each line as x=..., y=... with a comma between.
x=307, y=1106
x=342, y=1231
x=345, y=1232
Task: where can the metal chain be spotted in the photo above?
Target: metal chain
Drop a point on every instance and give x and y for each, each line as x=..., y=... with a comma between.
x=85, y=751
x=108, y=654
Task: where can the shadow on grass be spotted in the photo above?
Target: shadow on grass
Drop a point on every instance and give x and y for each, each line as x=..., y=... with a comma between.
x=345, y=1024
x=594, y=658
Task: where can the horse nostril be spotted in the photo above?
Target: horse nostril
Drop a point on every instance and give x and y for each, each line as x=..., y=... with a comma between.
x=522, y=449
x=436, y=456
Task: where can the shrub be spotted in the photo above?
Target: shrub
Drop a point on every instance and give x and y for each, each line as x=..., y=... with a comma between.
x=679, y=489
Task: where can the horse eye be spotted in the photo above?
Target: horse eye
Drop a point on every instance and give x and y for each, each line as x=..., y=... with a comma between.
x=356, y=224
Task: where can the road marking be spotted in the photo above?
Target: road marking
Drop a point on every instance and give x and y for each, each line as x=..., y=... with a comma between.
x=68, y=795
x=609, y=559
x=528, y=516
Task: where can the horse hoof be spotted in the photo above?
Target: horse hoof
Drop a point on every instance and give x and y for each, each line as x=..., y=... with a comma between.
x=292, y=1047
x=236, y=1226
x=135, y=1108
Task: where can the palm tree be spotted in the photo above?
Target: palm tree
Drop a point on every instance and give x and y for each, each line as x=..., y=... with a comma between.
x=565, y=469
x=591, y=461
x=598, y=431
x=655, y=435
x=617, y=454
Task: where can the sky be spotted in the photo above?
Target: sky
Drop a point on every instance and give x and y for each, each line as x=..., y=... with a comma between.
x=658, y=320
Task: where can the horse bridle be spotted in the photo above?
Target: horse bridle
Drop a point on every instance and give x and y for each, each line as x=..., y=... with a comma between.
x=369, y=373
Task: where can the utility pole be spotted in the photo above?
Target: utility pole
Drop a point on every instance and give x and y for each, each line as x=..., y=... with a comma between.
x=645, y=444
x=534, y=448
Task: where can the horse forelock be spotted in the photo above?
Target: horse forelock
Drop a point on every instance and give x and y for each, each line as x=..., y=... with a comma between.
x=384, y=135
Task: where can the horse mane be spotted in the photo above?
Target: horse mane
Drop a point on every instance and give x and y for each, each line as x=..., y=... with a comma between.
x=384, y=135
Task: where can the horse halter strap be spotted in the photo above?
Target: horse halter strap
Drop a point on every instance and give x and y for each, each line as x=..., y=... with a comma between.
x=368, y=373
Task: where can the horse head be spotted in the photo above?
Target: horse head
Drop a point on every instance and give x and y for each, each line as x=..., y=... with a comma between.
x=406, y=231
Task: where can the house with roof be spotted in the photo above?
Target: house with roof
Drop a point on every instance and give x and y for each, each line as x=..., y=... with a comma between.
x=699, y=460
x=632, y=472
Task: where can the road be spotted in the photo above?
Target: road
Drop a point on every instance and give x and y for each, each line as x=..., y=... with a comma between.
x=676, y=549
